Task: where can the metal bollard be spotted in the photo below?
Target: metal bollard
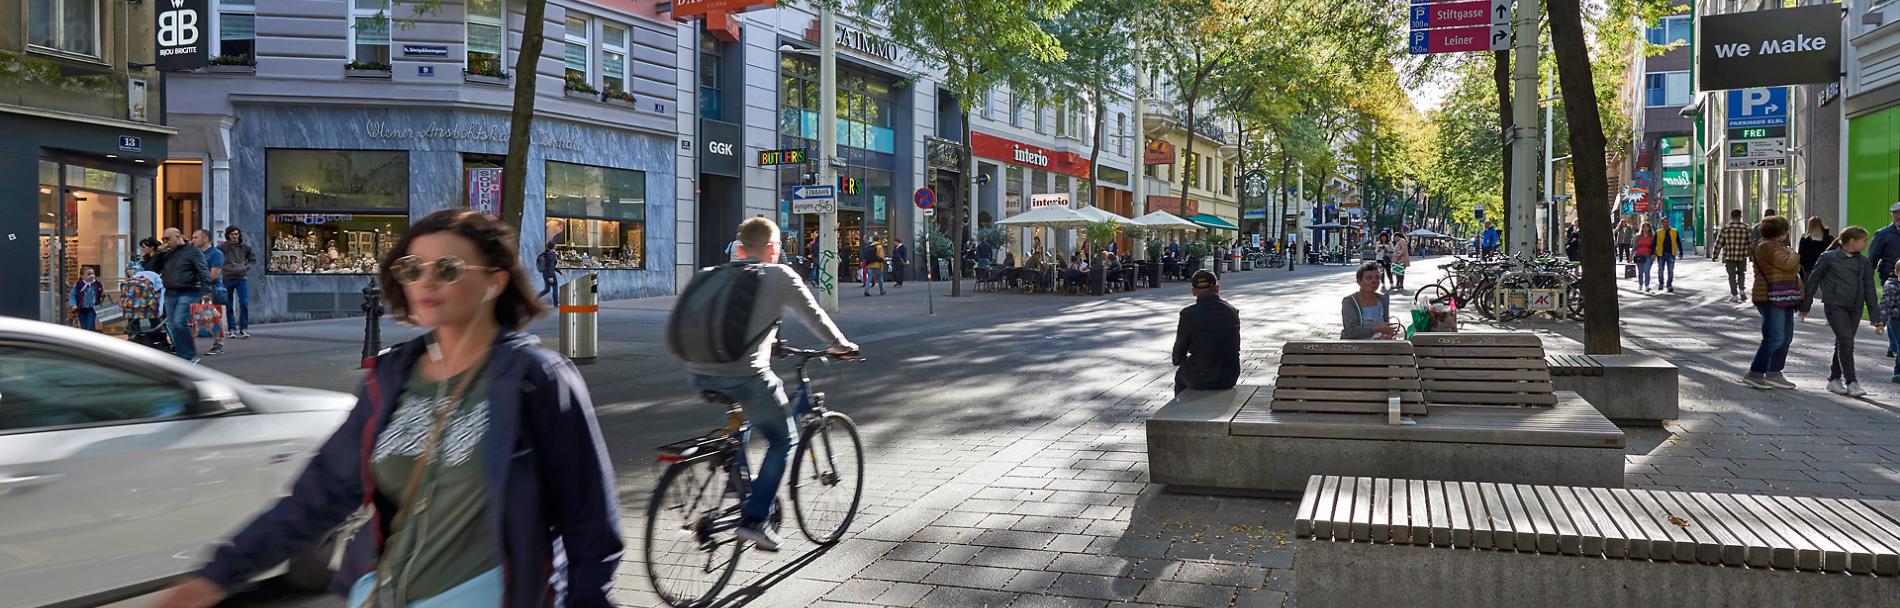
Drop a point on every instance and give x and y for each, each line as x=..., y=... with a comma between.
x=580, y=317
x=372, y=322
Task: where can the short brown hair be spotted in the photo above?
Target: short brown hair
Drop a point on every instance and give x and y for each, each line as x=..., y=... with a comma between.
x=1372, y=267
x=1735, y=214
x=1773, y=227
x=757, y=231
x=515, y=306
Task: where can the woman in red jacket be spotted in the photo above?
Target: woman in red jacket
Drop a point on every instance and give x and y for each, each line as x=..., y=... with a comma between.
x=1645, y=254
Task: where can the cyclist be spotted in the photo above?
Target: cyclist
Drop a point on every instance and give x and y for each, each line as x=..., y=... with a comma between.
x=750, y=380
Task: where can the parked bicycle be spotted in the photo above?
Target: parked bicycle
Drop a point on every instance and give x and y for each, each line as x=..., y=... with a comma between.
x=691, y=551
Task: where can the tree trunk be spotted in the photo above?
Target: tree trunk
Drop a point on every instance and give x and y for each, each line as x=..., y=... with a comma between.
x=963, y=203
x=1602, y=331
x=1501, y=79
x=514, y=172
x=1279, y=221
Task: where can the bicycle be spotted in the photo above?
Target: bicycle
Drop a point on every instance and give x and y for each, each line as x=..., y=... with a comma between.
x=697, y=503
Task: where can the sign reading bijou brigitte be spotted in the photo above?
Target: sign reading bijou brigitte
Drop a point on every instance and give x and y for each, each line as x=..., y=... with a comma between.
x=181, y=33
x=1770, y=48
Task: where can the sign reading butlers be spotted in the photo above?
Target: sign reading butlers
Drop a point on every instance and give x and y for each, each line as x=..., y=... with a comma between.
x=1772, y=47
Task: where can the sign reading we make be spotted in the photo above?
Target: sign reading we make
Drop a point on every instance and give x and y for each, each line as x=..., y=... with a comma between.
x=1772, y=47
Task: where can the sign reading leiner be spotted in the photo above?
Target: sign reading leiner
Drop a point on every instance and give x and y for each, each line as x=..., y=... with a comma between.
x=1461, y=39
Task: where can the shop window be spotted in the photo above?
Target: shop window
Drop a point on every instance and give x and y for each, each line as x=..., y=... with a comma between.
x=1666, y=89
x=70, y=26
x=485, y=31
x=596, y=216
x=369, y=34
x=576, y=55
x=1121, y=133
x=237, y=32
x=1193, y=169
x=1062, y=114
x=333, y=211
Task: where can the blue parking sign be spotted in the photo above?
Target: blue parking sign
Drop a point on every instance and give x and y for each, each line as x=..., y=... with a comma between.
x=1758, y=107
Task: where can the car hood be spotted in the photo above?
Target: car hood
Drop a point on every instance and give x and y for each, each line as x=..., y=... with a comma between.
x=296, y=399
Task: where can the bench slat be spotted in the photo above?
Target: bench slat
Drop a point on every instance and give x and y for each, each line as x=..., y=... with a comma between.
x=1348, y=347
x=1332, y=371
x=1481, y=352
x=1661, y=547
x=1833, y=555
x=1349, y=360
x=1523, y=531
x=1407, y=407
x=1730, y=550
x=1856, y=514
x=1460, y=517
x=1682, y=544
x=1476, y=339
x=1382, y=384
x=1472, y=386
x=1504, y=529
x=1342, y=510
x=1361, y=508
x=1303, y=518
x=1480, y=517
x=1622, y=538
x=1782, y=551
x=1369, y=396
x=1708, y=549
x=1540, y=519
x=1417, y=512
x=1401, y=520
x=1380, y=528
x=1755, y=551
x=1568, y=543
x=1807, y=555
x=1860, y=554
x=1589, y=534
x=1323, y=510
x=1519, y=363
x=1494, y=399
x=1438, y=503
x=1432, y=373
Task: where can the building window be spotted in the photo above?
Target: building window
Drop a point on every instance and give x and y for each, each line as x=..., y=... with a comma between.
x=1042, y=123
x=237, y=33
x=1062, y=114
x=989, y=106
x=1193, y=169
x=485, y=30
x=1121, y=133
x=596, y=216
x=1015, y=109
x=1012, y=190
x=369, y=34
x=71, y=26
x=613, y=58
x=864, y=107
x=333, y=211
x=1671, y=30
x=709, y=77
x=576, y=55
x=1227, y=178
x=1666, y=89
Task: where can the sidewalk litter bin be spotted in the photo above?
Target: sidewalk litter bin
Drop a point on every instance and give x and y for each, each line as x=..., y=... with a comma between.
x=580, y=317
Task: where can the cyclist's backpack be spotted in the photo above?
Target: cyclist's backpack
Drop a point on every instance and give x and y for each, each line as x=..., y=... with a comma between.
x=710, y=319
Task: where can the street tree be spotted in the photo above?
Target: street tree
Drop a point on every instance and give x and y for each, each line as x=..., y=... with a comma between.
x=1096, y=38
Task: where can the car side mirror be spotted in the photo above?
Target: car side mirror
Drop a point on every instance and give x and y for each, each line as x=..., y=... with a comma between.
x=215, y=399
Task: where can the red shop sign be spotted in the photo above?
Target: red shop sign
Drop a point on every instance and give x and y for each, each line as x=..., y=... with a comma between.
x=1067, y=163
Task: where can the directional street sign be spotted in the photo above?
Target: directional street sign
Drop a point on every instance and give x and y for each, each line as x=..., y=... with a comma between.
x=814, y=199
x=1758, y=148
x=1461, y=39
x=1741, y=164
x=1758, y=107
x=1461, y=13
x=1459, y=26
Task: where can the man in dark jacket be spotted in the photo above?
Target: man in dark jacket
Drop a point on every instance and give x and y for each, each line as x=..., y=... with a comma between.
x=1207, y=340
x=187, y=281
x=1885, y=249
x=900, y=260
x=239, y=258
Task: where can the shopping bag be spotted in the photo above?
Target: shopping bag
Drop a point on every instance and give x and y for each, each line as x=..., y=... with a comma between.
x=1421, y=321
x=207, y=319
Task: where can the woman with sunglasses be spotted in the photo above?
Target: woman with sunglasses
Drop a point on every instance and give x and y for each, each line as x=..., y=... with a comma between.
x=475, y=450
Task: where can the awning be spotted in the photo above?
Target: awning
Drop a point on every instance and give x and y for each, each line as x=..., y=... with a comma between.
x=1212, y=222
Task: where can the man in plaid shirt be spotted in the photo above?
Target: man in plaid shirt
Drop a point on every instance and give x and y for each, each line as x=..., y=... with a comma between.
x=1732, y=246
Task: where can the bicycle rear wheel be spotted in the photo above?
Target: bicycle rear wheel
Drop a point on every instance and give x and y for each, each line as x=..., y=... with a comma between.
x=688, y=562
x=827, y=478
x=1431, y=294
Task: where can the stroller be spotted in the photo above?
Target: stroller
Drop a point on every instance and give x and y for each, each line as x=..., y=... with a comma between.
x=156, y=336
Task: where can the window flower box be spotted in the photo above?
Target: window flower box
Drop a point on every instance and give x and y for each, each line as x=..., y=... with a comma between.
x=358, y=69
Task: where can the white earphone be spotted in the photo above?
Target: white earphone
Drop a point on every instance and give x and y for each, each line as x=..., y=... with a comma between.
x=490, y=294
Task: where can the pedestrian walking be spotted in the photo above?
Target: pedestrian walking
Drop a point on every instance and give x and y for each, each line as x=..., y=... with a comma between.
x=1777, y=293
x=1384, y=248
x=85, y=298
x=1814, y=240
x=873, y=256
x=549, y=265
x=1206, y=339
x=1644, y=253
x=1364, y=314
x=1573, y=244
x=900, y=260
x=1668, y=248
x=1401, y=258
x=1885, y=249
x=1625, y=239
x=1732, y=247
x=214, y=262
x=187, y=281
x=474, y=450
x=1890, y=309
x=239, y=259
x=1845, y=281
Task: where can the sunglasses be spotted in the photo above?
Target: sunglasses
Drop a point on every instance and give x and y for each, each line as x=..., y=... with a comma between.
x=409, y=269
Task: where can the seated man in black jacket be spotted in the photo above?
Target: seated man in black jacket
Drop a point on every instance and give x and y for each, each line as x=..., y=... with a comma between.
x=1207, y=341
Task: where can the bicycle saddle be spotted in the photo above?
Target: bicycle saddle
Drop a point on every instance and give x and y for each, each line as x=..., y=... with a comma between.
x=716, y=397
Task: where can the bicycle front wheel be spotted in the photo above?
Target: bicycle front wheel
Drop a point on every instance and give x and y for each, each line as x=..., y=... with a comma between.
x=689, y=558
x=827, y=478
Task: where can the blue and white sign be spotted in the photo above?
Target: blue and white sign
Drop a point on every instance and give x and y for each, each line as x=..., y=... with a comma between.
x=425, y=71
x=425, y=50
x=814, y=199
x=1758, y=107
x=130, y=143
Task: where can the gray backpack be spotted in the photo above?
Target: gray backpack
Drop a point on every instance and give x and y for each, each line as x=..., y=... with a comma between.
x=710, y=319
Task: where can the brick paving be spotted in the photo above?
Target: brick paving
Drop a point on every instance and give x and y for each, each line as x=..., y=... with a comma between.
x=1021, y=479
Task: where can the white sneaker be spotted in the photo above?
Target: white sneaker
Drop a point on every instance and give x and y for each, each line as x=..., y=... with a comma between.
x=1754, y=380
x=1854, y=390
x=1835, y=386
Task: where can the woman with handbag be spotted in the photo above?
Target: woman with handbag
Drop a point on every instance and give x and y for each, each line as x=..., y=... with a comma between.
x=1645, y=254
x=1777, y=293
x=1847, y=282
x=474, y=450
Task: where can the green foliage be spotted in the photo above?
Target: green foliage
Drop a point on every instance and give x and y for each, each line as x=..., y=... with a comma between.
x=1197, y=249
x=995, y=237
x=1100, y=235
x=940, y=247
x=1154, y=250
x=1219, y=238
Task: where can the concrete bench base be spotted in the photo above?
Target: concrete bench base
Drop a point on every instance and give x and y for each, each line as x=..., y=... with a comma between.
x=1354, y=575
x=1632, y=388
x=1230, y=439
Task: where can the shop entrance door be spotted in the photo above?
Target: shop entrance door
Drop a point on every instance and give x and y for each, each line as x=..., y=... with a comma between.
x=88, y=219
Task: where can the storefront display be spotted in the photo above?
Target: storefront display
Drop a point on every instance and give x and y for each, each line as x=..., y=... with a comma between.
x=334, y=211
x=330, y=243
x=596, y=216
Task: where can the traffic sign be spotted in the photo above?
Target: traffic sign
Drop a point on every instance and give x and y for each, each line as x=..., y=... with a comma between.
x=925, y=198
x=1758, y=148
x=1461, y=39
x=1460, y=14
x=930, y=212
x=1743, y=164
x=814, y=199
x=1758, y=107
x=1758, y=133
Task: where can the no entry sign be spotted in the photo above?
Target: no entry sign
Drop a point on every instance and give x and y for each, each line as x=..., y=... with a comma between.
x=925, y=198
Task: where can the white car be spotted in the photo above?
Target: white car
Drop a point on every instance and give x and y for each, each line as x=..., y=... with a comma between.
x=121, y=466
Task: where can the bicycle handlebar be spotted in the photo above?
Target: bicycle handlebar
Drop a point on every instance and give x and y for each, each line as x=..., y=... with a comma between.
x=783, y=349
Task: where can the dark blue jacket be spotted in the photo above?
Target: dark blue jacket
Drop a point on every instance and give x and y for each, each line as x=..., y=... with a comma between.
x=545, y=466
x=1884, y=250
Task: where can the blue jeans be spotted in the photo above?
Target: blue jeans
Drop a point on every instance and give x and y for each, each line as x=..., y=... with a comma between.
x=1643, y=263
x=1666, y=271
x=551, y=284
x=1777, y=332
x=1893, y=344
x=88, y=319
x=763, y=399
x=237, y=293
x=178, y=311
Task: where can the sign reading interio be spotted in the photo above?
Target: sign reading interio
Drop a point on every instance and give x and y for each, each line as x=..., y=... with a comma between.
x=1772, y=47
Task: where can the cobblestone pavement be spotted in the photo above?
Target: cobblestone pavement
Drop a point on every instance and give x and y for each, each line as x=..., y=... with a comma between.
x=1007, y=464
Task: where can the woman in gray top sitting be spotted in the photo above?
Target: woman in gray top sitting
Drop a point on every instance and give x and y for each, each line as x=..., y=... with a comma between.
x=1363, y=314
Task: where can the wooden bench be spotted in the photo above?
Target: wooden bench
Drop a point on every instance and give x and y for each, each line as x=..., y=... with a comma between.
x=1631, y=388
x=1407, y=542
x=1486, y=369
x=1573, y=365
x=1349, y=376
